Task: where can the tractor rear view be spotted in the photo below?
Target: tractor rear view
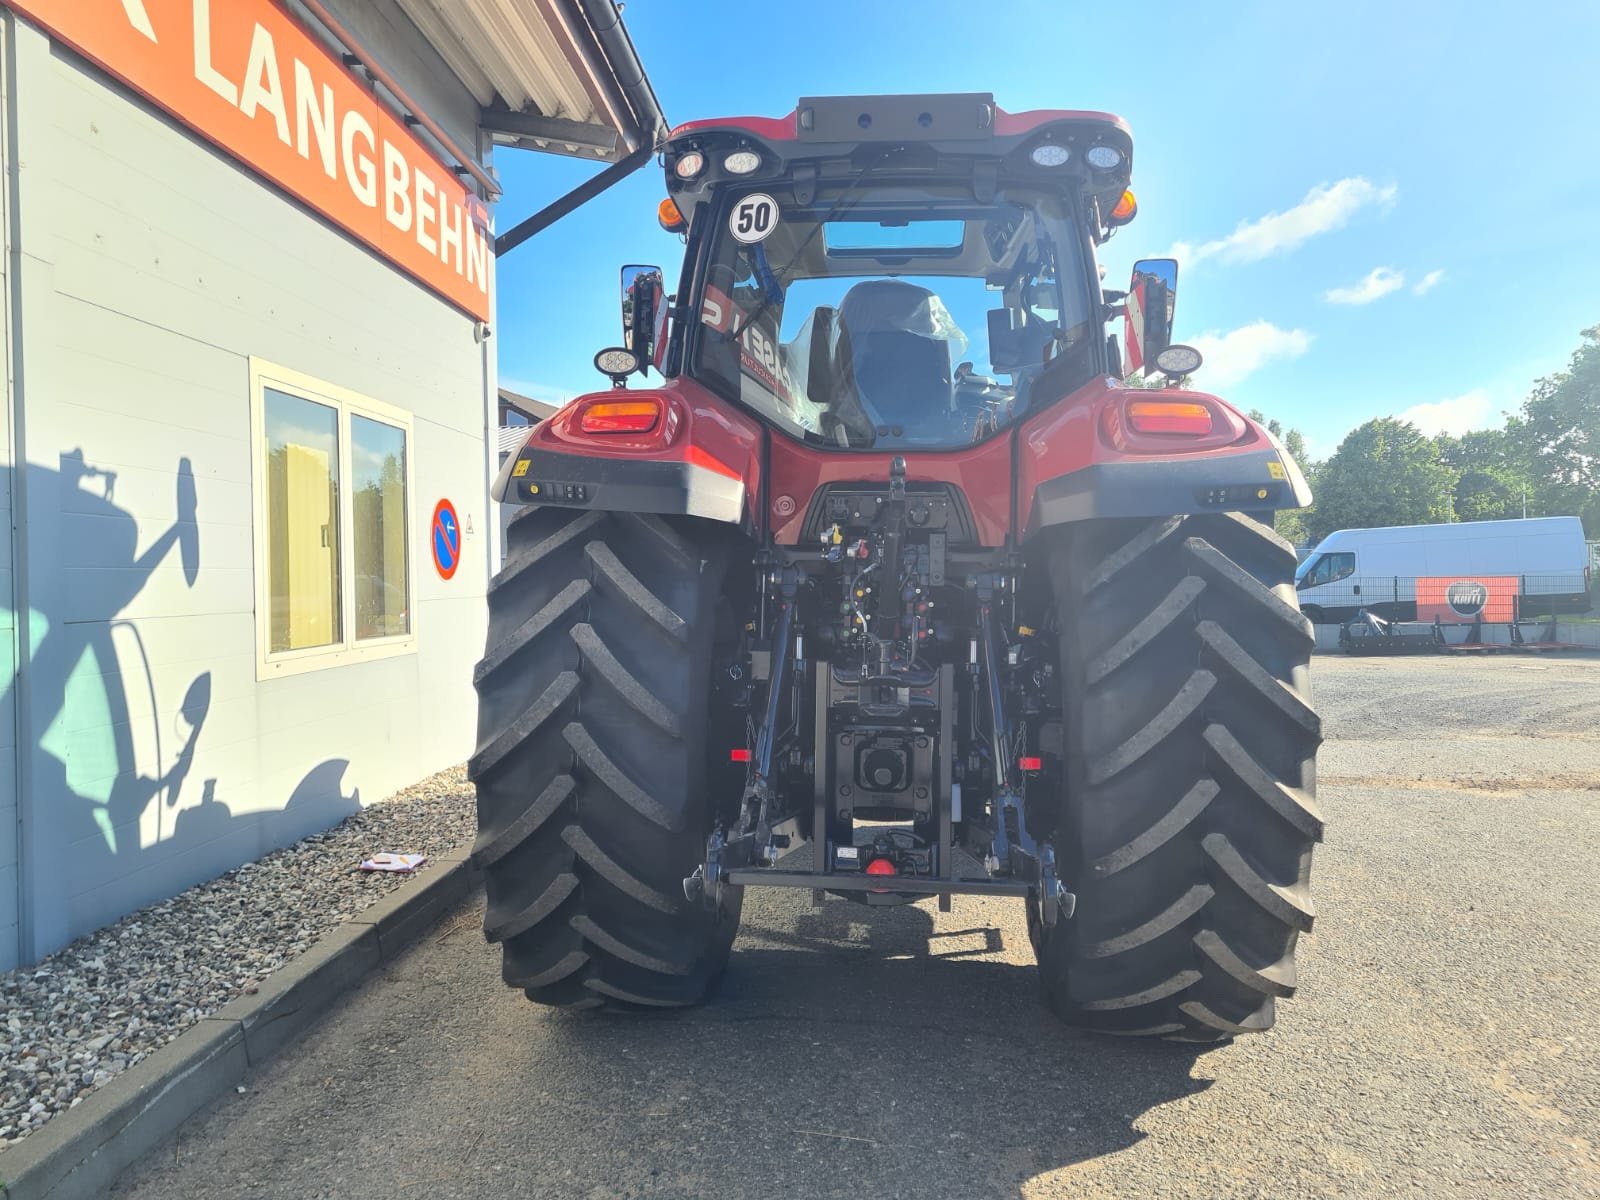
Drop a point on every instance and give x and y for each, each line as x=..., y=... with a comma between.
x=890, y=588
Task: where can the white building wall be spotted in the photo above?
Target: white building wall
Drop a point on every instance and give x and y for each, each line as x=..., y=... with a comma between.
x=152, y=269
x=10, y=881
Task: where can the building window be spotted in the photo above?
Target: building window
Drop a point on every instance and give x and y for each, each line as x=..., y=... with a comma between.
x=378, y=459
x=302, y=522
x=332, y=498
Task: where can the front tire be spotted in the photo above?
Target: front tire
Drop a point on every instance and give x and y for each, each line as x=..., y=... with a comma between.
x=591, y=761
x=1189, y=815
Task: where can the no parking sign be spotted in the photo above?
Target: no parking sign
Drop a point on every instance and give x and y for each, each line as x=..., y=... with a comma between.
x=446, y=539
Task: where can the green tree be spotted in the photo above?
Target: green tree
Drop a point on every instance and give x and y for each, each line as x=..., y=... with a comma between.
x=1384, y=473
x=1492, y=477
x=1561, y=427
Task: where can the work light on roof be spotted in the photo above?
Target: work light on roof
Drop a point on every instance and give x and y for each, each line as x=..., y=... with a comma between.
x=690, y=165
x=741, y=162
x=1049, y=154
x=1103, y=158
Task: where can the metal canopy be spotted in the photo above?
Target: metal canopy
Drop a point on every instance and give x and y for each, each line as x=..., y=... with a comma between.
x=550, y=75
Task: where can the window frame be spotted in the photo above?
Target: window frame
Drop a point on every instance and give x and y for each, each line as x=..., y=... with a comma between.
x=705, y=241
x=348, y=650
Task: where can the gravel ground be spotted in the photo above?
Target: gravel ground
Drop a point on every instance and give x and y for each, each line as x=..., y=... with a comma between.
x=1444, y=1042
x=90, y=1011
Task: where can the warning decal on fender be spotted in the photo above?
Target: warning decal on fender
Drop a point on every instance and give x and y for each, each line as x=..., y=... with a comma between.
x=753, y=218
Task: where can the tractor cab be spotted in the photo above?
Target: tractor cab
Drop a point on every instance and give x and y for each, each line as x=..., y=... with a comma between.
x=889, y=273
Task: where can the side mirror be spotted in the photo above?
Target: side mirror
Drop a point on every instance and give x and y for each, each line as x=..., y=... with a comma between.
x=642, y=294
x=1147, y=319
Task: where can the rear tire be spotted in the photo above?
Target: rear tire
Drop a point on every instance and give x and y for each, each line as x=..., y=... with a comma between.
x=1189, y=815
x=591, y=761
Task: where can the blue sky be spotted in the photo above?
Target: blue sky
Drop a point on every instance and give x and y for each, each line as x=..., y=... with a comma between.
x=1435, y=167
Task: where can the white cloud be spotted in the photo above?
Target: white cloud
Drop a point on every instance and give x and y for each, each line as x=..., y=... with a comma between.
x=1427, y=283
x=1231, y=356
x=1326, y=207
x=1379, y=282
x=1454, y=416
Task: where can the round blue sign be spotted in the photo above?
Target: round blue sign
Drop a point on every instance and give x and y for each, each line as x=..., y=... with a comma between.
x=446, y=539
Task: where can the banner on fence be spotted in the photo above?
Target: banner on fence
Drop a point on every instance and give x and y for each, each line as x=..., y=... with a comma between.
x=1493, y=598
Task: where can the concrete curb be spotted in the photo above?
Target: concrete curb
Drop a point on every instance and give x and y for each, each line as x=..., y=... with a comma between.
x=81, y=1153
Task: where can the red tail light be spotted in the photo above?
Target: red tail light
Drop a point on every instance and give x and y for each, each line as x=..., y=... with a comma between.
x=620, y=416
x=1030, y=764
x=1169, y=416
x=881, y=866
x=741, y=755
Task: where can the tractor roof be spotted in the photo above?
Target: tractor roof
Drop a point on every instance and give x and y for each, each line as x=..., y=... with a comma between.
x=953, y=116
x=965, y=131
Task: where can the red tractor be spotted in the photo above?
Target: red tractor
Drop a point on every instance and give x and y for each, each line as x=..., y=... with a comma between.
x=892, y=588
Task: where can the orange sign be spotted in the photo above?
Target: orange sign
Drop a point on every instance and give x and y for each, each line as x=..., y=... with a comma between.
x=1491, y=598
x=245, y=75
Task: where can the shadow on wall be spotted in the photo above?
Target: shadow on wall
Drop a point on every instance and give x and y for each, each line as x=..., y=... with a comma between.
x=98, y=716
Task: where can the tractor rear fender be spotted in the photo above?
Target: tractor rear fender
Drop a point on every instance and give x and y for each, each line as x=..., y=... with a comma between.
x=1086, y=457
x=700, y=457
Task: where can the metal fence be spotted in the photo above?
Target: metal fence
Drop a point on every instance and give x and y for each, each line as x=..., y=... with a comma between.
x=1452, y=599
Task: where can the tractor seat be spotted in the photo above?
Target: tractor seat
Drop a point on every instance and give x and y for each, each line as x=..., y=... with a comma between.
x=892, y=357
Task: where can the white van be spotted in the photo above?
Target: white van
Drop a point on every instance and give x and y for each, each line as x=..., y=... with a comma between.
x=1377, y=569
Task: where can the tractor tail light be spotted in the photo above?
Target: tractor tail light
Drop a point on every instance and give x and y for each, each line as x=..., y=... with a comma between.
x=1168, y=416
x=620, y=416
x=739, y=755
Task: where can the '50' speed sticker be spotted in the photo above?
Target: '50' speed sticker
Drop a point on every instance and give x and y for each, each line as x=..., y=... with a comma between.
x=753, y=218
